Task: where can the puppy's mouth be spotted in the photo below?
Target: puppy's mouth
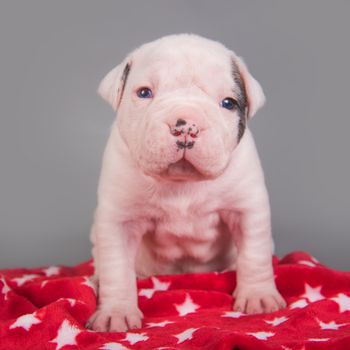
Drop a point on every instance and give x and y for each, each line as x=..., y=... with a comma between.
x=182, y=170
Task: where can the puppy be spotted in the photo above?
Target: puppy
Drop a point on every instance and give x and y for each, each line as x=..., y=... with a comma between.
x=181, y=188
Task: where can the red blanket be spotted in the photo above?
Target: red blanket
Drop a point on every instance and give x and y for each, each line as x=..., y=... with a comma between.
x=46, y=308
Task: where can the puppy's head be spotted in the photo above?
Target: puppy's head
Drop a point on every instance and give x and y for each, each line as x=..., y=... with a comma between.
x=183, y=102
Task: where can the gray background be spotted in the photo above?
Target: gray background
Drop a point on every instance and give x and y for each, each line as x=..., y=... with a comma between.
x=53, y=126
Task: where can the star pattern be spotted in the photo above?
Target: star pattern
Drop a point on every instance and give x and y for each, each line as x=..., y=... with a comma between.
x=157, y=286
x=134, y=338
x=233, y=314
x=343, y=302
x=159, y=324
x=277, y=321
x=318, y=339
x=66, y=335
x=24, y=279
x=288, y=348
x=187, y=307
x=25, y=322
x=262, y=335
x=72, y=302
x=298, y=304
x=185, y=335
x=41, y=315
x=314, y=259
x=88, y=282
x=113, y=346
x=307, y=263
x=312, y=294
x=5, y=288
x=330, y=325
x=51, y=271
x=43, y=284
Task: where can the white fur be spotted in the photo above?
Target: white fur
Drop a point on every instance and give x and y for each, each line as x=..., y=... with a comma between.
x=151, y=222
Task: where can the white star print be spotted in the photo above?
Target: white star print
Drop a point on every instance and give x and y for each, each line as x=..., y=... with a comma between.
x=133, y=338
x=312, y=293
x=330, y=325
x=71, y=301
x=5, y=288
x=44, y=284
x=298, y=304
x=233, y=314
x=158, y=324
x=89, y=283
x=157, y=286
x=318, y=339
x=66, y=335
x=343, y=302
x=113, y=346
x=314, y=259
x=277, y=320
x=186, y=335
x=24, y=279
x=25, y=321
x=187, y=307
x=51, y=271
x=307, y=262
x=262, y=335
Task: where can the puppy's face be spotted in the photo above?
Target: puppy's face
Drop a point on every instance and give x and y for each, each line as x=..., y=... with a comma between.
x=182, y=102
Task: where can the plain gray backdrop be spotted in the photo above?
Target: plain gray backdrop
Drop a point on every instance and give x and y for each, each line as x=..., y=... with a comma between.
x=53, y=126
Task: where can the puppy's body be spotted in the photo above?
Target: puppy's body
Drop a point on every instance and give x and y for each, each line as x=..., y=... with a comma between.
x=171, y=200
x=185, y=227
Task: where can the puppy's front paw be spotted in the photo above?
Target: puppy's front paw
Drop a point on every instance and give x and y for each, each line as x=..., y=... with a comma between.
x=115, y=318
x=256, y=300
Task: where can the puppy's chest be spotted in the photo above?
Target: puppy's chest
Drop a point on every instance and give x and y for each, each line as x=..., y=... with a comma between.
x=187, y=226
x=184, y=229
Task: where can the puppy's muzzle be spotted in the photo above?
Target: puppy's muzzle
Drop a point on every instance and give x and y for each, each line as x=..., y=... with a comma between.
x=185, y=132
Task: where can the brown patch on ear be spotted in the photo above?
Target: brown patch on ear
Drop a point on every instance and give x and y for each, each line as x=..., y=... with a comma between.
x=241, y=95
x=123, y=80
x=241, y=126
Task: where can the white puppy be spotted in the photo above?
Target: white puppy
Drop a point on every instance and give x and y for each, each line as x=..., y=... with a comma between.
x=182, y=188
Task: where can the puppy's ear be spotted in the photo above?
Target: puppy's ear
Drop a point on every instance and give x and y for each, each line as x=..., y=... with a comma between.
x=112, y=85
x=253, y=91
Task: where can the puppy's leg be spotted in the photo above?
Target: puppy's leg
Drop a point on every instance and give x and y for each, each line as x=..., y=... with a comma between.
x=114, y=253
x=256, y=291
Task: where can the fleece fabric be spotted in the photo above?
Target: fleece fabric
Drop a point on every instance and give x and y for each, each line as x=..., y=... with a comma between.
x=47, y=308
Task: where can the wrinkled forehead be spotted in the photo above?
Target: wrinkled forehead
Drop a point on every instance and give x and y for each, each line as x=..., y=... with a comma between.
x=185, y=66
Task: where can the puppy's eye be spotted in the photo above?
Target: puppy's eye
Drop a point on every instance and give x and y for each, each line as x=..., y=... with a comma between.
x=144, y=92
x=228, y=103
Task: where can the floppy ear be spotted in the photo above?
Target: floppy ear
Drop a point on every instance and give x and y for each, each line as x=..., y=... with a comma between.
x=112, y=85
x=254, y=93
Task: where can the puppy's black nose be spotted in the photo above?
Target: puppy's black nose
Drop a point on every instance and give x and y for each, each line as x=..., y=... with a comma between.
x=186, y=128
x=180, y=122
